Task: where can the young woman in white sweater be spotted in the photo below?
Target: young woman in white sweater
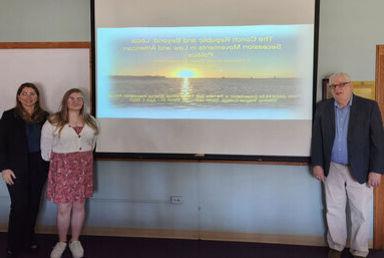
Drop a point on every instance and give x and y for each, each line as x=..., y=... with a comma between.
x=67, y=141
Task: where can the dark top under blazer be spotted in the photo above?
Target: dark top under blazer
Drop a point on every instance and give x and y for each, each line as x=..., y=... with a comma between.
x=365, y=137
x=14, y=143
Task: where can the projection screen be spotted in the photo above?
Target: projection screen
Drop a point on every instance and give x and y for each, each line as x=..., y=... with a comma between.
x=213, y=77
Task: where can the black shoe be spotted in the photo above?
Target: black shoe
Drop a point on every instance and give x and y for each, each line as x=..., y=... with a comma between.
x=33, y=247
x=11, y=254
x=334, y=253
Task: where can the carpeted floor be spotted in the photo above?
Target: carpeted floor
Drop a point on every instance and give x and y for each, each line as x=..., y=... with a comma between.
x=126, y=247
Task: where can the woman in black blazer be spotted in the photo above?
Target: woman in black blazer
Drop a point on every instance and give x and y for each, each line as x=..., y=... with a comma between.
x=22, y=168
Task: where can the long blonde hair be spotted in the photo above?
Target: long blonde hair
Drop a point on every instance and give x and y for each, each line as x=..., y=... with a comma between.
x=60, y=118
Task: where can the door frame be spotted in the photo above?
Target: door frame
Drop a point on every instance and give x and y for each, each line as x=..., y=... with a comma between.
x=378, y=206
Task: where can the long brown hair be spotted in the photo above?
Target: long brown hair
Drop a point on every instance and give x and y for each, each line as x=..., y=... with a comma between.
x=60, y=118
x=38, y=113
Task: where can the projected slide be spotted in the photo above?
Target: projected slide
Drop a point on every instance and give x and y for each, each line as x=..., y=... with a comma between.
x=209, y=72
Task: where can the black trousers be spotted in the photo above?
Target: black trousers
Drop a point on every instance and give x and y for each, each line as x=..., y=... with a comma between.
x=25, y=196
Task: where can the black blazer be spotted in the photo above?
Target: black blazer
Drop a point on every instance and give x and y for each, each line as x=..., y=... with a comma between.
x=14, y=143
x=365, y=137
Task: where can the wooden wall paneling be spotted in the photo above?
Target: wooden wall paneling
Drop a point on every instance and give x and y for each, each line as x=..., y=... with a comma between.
x=378, y=213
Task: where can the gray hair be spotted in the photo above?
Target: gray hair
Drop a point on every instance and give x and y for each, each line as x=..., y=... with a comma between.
x=333, y=76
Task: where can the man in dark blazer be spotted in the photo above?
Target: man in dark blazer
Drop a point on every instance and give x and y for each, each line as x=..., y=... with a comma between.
x=347, y=155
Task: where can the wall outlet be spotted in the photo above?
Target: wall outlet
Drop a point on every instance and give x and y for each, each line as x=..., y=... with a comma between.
x=176, y=199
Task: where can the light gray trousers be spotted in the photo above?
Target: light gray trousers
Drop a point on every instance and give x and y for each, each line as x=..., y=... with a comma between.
x=341, y=188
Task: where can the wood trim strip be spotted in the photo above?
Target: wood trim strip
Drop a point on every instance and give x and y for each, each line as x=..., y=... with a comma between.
x=251, y=162
x=18, y=45
x=378, y=212
x=263, y=238
x=193, y=235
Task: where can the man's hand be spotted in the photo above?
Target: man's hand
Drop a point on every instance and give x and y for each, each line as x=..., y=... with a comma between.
x=8, y=176
x=374, y=179
x=318, y=173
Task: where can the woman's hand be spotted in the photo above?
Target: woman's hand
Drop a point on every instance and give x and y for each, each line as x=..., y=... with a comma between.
x=8, y=176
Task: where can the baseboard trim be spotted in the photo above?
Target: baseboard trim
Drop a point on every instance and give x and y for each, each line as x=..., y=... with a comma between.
x=191, y=234
x=263, y=238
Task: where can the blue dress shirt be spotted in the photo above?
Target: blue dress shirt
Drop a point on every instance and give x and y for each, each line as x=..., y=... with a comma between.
x=340, y=146
x=33, y=136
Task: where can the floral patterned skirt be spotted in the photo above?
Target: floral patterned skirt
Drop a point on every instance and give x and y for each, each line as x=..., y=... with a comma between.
x=70, y=177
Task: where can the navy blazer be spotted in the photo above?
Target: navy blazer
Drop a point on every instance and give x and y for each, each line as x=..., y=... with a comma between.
x=14, y=144
x=365, y=139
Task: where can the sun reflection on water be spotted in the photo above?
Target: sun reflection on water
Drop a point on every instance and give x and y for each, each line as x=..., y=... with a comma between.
x=185, y=92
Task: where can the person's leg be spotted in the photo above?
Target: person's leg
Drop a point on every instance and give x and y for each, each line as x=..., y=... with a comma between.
x=18, y=193
x=78, y=215
x=37, y=178
x=335, y=195
x=360, y=203
x=63, y=220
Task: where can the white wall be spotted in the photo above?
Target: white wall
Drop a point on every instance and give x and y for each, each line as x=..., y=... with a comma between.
x=44, y=20
x=349, y=33
x=235, y=197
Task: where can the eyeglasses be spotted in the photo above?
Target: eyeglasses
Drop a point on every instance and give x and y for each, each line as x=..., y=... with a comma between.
x=339, y=85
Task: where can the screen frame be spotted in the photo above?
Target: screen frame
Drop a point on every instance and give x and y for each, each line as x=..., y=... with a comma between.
x=293, y=160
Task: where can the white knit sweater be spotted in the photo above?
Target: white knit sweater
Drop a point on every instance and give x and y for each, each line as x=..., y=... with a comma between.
x=68, y=141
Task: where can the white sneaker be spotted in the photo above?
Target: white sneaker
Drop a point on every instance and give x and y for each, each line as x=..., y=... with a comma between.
x=58, y=250
x=76, y=249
